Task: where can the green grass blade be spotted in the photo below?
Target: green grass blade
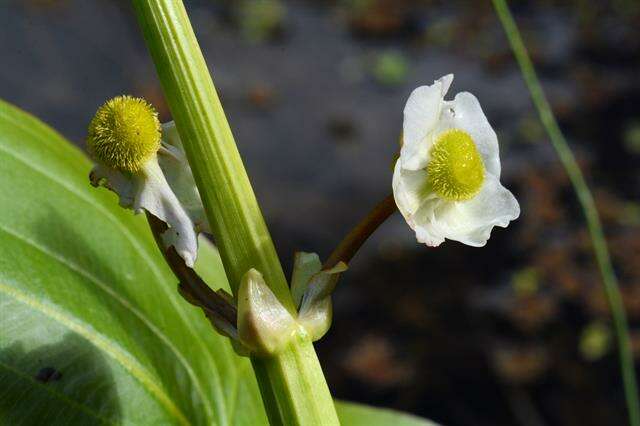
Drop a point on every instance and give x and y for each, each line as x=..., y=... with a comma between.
x=587, y=204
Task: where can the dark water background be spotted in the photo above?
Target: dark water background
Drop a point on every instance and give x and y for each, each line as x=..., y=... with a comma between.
x=515, y=333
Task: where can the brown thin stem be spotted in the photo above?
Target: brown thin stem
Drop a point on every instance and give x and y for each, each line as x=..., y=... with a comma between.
x=350, y=245
x=192, y=287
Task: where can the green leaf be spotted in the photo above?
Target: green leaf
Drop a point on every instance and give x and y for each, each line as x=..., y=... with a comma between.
x=351, y=414
x=92, y=329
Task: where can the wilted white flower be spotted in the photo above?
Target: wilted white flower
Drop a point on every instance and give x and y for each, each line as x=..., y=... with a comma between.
x=446, y=182
x=145, y=164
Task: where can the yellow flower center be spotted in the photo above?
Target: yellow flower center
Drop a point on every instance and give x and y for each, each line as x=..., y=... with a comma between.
x=124, y=133
x=455, y=169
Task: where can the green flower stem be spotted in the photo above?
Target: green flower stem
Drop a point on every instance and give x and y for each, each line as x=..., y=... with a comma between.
x=585, y=198
x=292, y=384
x=352, y=242
x=290, y=381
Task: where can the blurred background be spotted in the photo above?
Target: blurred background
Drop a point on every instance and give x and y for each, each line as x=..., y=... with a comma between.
x=516, y=333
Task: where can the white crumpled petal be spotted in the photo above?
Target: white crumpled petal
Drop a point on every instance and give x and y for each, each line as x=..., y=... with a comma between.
x=469, y=222
x=410, y=189
x=175, y=166
x=464, y=112
x=165, y=188
x=421, y=115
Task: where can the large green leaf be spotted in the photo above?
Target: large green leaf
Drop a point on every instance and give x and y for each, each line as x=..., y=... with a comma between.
x=361, y=415
x=91, y=327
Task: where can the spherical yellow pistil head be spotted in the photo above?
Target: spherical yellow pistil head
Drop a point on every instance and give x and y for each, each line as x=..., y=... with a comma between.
x=124, y=133
x=455, y=170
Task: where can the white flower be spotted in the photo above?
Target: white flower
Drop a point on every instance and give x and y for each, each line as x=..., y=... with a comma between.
x=446, y=182
x=145, y=164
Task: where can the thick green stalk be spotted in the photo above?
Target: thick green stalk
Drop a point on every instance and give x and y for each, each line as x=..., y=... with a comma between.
x=585, y=198
x=293, y=386
x=295, y=373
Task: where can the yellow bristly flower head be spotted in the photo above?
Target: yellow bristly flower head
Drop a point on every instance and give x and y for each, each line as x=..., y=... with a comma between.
x=124, y=133
x=456, y=170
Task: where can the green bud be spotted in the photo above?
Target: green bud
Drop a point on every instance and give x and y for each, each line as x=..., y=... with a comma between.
x=264, y=326
x=321, y=285
x=305, y=266
x=316, y=311
x=316, y=320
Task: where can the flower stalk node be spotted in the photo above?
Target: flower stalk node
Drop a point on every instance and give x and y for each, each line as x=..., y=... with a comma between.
x=265, y=327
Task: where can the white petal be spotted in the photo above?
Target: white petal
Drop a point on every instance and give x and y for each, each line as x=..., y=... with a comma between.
x=421, y=115
x=149, y=190
x=156, y=196
x=422, y=222
x=122, y=184
x=409, y=189
x=171, y=136
x=446, y=83
x=469, y=222
x=464, y=112
x=177, y=171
